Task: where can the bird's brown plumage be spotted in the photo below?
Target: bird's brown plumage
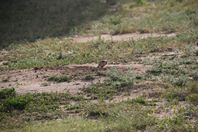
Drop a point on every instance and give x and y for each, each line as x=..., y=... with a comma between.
x=102, y=64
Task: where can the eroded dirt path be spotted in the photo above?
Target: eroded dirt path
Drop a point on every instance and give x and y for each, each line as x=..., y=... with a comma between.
x=120, y=37
x=30, y=80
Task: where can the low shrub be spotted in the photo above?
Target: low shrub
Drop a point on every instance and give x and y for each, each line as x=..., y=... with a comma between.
x=193, y=98
x=181, y=81
x=121, y=79
x=195, y=76
x=95, y=111
x=6, y=93
x=18, y=103
x=139, y=100
x=193, y=87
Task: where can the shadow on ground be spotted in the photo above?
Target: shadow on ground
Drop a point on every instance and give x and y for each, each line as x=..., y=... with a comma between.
x=28, y=20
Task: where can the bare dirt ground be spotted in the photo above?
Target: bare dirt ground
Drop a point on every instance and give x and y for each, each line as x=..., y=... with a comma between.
x=30, y=80
x=120, y=37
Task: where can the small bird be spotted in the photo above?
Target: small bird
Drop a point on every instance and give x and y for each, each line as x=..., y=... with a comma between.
x=102, y=64
x=37, y=68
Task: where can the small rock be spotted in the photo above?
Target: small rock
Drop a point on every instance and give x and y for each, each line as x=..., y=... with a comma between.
x=4, y=63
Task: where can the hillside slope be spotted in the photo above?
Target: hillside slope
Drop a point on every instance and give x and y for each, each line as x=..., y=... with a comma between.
x=49, y=74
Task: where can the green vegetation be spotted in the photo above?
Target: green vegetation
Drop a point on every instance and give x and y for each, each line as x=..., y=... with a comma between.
x=15, y=103
x=175, y=70
x=175, y=124
x=135, y=114
x=119, y=82
x=159, y=92
x=184, y=93
x=109, y=118
x=193, y=98
x=32, y=107
x=46, y=52
x=195, y=76
x=6, y=93
x=146, y=16
x=139, y=100
x=156, y=16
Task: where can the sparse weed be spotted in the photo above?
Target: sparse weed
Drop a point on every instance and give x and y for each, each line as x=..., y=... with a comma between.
x=181, y=81
x=187, y=92
x=139, y=100
x=125, y=78
x=101, y=90
x=140, y=2
x=193, y=98
x=73, y=107
x=174, y=124
x=191, y=112
x=176, y=94
x=193, y=87
x=119, y=82
x=95, y=111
